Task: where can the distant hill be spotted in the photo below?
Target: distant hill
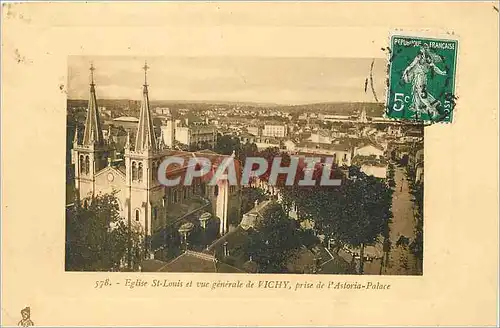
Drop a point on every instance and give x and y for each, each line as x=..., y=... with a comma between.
x=212, y=102
x=339, y=108
x=111, y=103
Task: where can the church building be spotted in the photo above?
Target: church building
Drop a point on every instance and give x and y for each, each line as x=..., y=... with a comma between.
x=134, y=178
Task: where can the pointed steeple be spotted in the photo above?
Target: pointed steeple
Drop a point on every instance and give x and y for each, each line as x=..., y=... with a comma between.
x=145, y=138
x=161, y=144
x=93, y=132
x=127, y=143
x=75, y=138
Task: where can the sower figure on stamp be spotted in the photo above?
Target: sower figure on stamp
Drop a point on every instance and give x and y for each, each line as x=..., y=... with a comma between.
x=416, y=74
x=25, y=321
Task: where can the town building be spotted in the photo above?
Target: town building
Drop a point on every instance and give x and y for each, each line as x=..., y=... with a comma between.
x=195, y=134
x=164, y=111
x=255, y=130
x=369, y=150
x=129, y=123
x=267, y=142
x=321, y=136
x=341, y=153
x=276, y=130
x=416, y=162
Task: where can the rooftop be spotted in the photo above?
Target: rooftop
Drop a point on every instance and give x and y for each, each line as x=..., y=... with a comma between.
x=369, y=160
x=316, y=145
x=127, y=119
x=190, y=261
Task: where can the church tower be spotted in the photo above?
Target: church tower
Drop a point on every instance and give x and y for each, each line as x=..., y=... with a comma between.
x=92, y=152
x=144, y=192
x=145, y=138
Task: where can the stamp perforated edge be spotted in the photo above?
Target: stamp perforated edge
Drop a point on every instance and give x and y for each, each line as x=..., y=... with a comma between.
x=429, y=33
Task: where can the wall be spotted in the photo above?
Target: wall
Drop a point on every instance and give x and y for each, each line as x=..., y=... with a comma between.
x=376, y=171
x=274, y=131
x=368, y=150
x=182, y=135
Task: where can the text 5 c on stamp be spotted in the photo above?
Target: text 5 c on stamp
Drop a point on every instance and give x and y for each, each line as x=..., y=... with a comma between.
x=421, y=82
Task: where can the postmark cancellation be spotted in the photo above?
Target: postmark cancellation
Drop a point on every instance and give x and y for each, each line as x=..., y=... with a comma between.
x=421, y=78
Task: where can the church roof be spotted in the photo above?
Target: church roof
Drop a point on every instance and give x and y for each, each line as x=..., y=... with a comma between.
x=122, y=168
x=190, y=261
x=173, y=170
x=111, y=168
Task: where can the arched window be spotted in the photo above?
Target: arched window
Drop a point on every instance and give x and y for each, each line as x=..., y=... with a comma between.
x=216, y=190
x=134, y=171
x=85, y=204
x=154, y=173
x=137, y=214
x=155, y=213
x=87, y=164
x=184, y=193
x=140, y=172
x=335, y=158
x=82, y=164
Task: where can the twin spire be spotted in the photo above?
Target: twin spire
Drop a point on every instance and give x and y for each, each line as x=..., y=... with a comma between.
x=93, y=131
x=145, y=137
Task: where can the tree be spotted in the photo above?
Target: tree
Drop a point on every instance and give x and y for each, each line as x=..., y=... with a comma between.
x=365, y=211
x=248, y=150
x=97, y=239
x=274, y=242
x=390, y=176
x=417, y=245
x=227, y=144
x=203, y=145
x=308, y=238
x=355, y=213
x=248, y=198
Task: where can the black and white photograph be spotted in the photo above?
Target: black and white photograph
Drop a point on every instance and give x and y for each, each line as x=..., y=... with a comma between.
x=125, y=115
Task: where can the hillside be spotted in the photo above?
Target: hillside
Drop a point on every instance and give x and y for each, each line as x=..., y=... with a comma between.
x=339, y=108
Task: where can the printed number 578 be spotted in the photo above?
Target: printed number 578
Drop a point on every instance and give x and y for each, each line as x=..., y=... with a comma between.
x=399, y=101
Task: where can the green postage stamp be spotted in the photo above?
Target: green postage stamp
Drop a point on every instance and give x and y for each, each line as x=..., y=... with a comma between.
x=421, y=82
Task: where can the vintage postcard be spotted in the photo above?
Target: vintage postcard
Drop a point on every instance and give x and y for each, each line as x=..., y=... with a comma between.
x=132, y=165
x=169, y=164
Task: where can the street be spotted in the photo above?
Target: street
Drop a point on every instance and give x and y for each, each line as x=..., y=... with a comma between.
x=401, y=260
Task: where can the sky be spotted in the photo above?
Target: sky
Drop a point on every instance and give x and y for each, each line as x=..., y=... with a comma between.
x=242, y=79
